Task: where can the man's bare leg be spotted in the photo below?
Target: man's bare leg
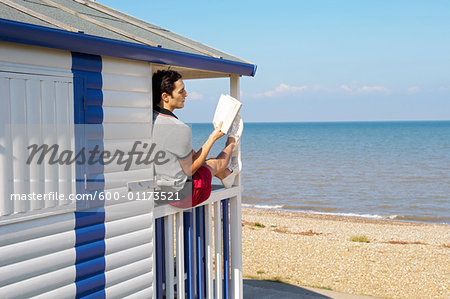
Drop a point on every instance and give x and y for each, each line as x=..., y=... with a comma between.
x=218, y=166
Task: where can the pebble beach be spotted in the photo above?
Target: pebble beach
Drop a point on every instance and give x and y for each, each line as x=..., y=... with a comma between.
x=380, y=258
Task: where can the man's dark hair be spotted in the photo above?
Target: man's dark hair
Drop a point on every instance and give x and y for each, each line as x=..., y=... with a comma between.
x=163, y=81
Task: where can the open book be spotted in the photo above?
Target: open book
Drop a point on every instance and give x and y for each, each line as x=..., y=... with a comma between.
x=226, y=111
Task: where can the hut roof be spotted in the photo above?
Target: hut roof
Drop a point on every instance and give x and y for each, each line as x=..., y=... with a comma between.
x=93, y=28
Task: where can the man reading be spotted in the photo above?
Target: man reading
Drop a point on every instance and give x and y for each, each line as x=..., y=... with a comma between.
x=188, y=172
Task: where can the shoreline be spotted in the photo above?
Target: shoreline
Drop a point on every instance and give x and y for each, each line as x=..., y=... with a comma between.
x=376, y=257
x=340, y=216
x=345, y=215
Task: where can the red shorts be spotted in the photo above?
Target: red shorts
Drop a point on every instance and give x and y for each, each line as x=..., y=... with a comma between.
x=201, y=189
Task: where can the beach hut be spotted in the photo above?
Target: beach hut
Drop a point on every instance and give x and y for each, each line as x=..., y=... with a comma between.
x=76, y=74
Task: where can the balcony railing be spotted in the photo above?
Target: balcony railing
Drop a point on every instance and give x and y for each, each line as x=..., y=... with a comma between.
x=199, y=250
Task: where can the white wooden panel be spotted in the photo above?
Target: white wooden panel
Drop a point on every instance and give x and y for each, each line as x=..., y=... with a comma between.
x=129, y=287
x=33, y=267
x=115, y=167
x=122, y=194
x=6, y=173
x=127, y=67
x=124, y=145
x=143, y=294
x=126, y=115
x=33, y=106
x=168, y=255
x=129, y=247
x=128, y=209
x=17, y=252
x=120, y=179
x=39, y=284
x=125, y=83
x=19, y=142
x=116, y=98
x=128, y=272
x=133, y=239
x=127, y=225
x=65, y=131
x=128, y=256
x=67, y=291
x=49, y=123
x=37, y=56
x=218, y=248
x=23, y=231
x=127, y=131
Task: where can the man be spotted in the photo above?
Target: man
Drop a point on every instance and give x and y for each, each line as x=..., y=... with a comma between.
x=187, y=173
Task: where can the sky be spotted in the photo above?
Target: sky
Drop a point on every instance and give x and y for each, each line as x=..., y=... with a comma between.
x=318, y=60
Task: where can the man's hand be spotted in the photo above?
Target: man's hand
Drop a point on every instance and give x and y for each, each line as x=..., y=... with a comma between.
x=217, y=133
x=196, y=160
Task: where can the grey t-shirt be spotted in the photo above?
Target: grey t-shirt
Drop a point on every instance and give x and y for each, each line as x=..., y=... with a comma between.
x=174, y=138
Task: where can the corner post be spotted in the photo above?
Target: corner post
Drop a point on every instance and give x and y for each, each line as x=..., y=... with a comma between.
x=235, y=217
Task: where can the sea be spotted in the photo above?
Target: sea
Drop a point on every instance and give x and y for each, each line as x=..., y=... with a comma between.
x=381, y=170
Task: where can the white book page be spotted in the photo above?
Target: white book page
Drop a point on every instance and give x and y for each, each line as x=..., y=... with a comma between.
x=226, y=110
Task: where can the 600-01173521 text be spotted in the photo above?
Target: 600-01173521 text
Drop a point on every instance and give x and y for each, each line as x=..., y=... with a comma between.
x=96, y=195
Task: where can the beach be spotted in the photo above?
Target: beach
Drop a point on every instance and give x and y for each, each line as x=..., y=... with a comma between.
x=380, y=258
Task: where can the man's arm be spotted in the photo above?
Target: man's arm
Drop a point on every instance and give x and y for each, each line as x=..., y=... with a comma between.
x=196, y=159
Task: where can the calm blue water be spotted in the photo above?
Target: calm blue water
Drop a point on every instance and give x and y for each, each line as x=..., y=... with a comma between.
x=393, y=170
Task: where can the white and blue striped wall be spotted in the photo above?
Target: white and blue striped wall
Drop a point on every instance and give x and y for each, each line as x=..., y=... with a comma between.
x=53, y=249
x=99, y=253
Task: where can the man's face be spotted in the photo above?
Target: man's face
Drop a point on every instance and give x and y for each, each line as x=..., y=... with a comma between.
x=176, y=99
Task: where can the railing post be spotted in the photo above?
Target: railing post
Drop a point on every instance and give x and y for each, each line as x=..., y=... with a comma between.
x=226, y=249
x=218, y=249
x=168, y=254
x=236, y=248
x=200, y=245
x=180, y=256
x=209, y=252
x=236, y=218
x=189, y=257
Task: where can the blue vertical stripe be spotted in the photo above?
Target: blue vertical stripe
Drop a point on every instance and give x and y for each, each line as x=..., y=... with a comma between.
x=88, y=100
x=89, y=226
x=189, y=258
x=89, y=251
x=90, y=268
x=90, y=234
x=94, y=114
x=83, y=219
x=90, y=285
x=200, y=246
x=159, y=243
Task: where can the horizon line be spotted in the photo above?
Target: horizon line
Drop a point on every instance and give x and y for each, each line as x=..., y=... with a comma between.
x=334, y=121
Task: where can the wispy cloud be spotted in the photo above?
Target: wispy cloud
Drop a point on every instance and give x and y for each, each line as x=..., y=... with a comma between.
x=444, y=88
x=195, y=96
x=364, y=89
x=285, y=89
x=412, y=90
x=346, y=88
x=281, y=89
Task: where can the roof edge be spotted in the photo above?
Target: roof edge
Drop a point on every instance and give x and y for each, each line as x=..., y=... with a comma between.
x=18, y=32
